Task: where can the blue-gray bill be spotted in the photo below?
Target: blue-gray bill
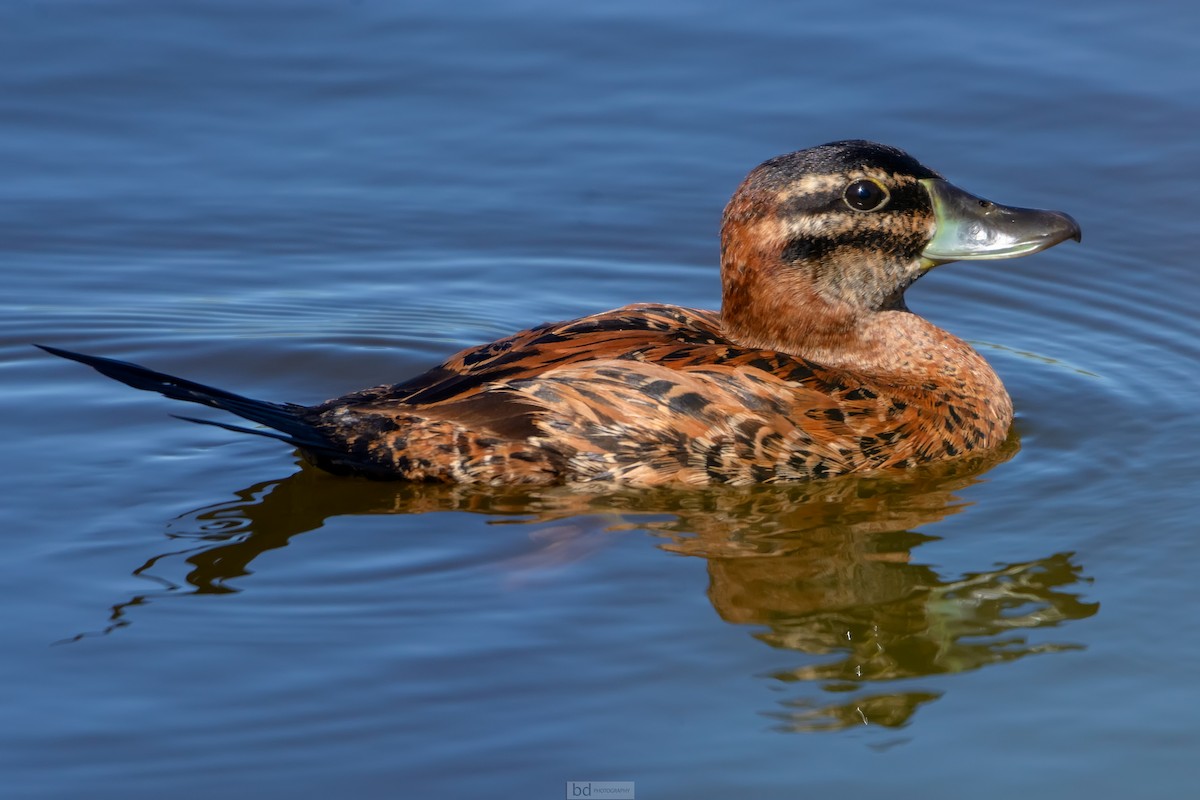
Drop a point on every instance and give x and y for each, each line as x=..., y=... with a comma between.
x=971, y=228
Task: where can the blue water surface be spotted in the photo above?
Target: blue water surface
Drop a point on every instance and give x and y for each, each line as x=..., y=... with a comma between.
x=294, y=200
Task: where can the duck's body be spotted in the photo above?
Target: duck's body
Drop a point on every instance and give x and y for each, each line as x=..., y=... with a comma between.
x=813, y=367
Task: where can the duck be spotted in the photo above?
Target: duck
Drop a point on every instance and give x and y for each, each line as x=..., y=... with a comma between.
x=813, y=367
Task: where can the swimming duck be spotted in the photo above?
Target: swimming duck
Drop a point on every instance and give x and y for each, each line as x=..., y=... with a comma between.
x=813, y=367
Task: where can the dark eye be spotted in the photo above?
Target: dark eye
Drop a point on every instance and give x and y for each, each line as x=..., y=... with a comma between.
x=866, y=195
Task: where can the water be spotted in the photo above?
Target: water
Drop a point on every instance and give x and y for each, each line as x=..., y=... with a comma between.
x=296, y=200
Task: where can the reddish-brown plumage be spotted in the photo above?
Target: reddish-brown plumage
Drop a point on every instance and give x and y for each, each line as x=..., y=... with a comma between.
x=652, y=394
x=813, y=368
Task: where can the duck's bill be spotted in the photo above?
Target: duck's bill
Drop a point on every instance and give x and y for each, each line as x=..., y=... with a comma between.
x=970, y=228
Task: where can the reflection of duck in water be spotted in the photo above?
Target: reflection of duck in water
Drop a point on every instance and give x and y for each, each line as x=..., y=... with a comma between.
x=881, y=618
x=823, y=571
x=814, y=366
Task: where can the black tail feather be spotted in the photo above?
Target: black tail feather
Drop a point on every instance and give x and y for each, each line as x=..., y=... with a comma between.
x=287, y=418
x=283, y=437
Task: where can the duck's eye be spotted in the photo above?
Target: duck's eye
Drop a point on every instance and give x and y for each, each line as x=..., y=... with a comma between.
x=866, y=195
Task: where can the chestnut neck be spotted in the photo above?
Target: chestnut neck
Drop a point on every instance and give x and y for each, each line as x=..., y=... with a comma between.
x=773, y=305
x=772, y=309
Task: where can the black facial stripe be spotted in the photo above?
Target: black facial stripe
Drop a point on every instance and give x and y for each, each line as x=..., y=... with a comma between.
x=813, y=248
x=808, y=248
x=812, y=203
x=909, y=197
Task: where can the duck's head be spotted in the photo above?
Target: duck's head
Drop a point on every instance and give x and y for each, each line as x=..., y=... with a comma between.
x=816, y=243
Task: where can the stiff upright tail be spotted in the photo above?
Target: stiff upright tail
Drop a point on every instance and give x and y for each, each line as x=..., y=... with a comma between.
x=286, y=418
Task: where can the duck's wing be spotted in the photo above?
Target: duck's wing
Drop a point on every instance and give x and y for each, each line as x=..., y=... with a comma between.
x=648, y=422
x=664, y=413
x=611, y=334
